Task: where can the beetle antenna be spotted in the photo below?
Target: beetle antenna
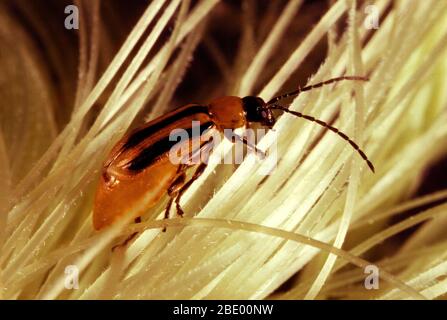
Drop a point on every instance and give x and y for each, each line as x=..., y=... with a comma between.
x=328, y=126
x=315, y=86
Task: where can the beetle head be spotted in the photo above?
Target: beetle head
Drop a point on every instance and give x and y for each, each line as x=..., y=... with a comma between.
x=256, y=110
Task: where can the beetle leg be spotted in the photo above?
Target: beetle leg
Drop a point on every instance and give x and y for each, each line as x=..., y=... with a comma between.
x=125, y=242
x=200, y=169
x=249, y=145
x=259, y=152
x=168, y=208
x=200, y=155
x=174, y=188
x=204, y=149
x=178, y=186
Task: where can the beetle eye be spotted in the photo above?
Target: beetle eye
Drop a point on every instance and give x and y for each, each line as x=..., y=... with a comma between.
x=263, y=114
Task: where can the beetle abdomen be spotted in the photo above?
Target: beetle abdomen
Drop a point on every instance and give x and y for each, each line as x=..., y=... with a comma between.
x=115, y=198
x=139, y=171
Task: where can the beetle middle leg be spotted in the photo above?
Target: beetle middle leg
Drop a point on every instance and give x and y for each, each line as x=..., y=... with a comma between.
x=204, y=150
x=200, y=169
x=178, y=186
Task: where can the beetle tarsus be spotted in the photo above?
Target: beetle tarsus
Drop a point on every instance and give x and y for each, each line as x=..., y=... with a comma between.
x=133, y=235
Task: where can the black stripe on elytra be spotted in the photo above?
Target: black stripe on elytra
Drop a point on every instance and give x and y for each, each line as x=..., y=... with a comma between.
x=138, y=136
x=150, y=154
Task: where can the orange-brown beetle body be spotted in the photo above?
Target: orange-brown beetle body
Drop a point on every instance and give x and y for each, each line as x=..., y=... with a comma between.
x=140, y=161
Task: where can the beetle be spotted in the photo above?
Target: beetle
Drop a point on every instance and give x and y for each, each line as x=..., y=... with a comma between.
x=140, y=161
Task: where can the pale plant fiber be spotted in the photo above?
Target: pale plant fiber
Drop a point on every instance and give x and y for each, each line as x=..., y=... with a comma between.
x=248, y=238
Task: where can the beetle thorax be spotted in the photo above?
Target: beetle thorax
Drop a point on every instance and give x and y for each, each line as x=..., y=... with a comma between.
x=227, y=112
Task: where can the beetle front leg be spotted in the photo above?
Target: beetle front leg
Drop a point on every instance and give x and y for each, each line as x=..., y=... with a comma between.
x=250, y=146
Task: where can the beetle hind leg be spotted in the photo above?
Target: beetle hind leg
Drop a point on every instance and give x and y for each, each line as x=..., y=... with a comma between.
x=129, y=238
